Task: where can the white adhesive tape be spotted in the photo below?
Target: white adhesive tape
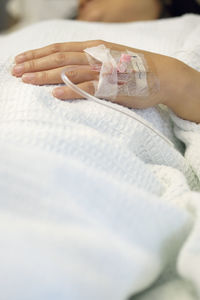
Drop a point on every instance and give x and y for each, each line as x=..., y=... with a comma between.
x=121, y=73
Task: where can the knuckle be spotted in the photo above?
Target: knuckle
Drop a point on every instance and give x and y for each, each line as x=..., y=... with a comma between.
x=30, y=65
x=60, y=58
x=72, y=75
x=55, y=48
x=32, y=54
x=99, y=42
x=95, y=43
x=43, y=76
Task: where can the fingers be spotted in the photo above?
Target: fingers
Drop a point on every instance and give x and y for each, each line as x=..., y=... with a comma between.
x=56, y=48
x=53, y=61
x=65, y=93
x=44, y=77
x=76, y=75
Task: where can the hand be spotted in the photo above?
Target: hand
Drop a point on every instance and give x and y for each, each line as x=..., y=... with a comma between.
x=119, y=10
x=44, y=66
x=178, y=83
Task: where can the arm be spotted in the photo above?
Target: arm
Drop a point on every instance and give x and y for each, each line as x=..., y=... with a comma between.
x=186, y=105
x=179, y=86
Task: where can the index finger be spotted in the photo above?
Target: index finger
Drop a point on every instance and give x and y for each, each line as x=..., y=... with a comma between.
x=54, y=48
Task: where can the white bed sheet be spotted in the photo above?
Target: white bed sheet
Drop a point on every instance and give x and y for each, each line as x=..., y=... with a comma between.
x=87, y=211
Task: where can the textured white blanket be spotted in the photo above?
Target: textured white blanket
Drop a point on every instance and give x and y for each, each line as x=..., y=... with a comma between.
x=92, y=204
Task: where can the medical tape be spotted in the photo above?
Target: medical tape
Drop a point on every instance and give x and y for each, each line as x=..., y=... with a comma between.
x=139, y=65
x=121, y=73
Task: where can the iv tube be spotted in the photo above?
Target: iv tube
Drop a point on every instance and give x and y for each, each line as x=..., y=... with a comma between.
x=84, y=94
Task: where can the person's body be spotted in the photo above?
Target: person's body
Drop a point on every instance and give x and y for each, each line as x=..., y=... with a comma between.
x=134, y=10
x=97, y=10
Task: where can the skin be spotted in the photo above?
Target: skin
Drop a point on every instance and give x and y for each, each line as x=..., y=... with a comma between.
x=119, y=10
x=179, y=85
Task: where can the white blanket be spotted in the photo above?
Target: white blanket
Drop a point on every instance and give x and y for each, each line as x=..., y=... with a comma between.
x=92, y=204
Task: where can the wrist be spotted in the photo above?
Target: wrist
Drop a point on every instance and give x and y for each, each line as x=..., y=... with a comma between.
x=183, y=96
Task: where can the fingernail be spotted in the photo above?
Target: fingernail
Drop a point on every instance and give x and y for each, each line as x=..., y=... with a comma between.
x=28, y=77
x=58, y=92
x=20, y=58
x=18, y=69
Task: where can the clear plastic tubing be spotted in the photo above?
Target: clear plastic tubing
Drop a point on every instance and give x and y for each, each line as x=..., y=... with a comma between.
x=108, y=104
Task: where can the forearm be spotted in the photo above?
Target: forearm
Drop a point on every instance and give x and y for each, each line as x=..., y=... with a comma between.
x=184, y=99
